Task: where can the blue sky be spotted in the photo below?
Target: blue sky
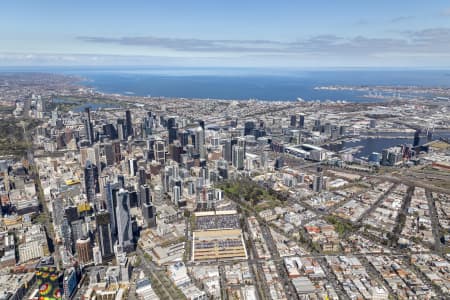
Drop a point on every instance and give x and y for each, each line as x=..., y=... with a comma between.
x=348, y=33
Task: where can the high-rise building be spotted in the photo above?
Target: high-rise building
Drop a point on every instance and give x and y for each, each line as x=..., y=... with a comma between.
x=148, y=209
x=111, y=203
x=109, y=154
x=142, y=176
x=293, y=122
x=160, y=151
x=200, y=142
x=227, y=150
x=148, y=124
x=301, y=121
x=128, y=124
x=249, y=126
x=318, y=181
x=91, y=181
x=183, y=136
x=176, y=149
x=132, y=166
x=123, y=217
x=104, y=237
x=88, y=126
x=173, y=134
x=84, y=250
x=416, y=138
x=238, y=157
x=66, y=235
x=121, y=130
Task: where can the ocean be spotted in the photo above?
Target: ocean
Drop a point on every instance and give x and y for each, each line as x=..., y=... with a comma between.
x=244, y=84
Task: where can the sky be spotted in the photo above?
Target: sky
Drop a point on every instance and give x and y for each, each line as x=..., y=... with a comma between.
x=228, y=33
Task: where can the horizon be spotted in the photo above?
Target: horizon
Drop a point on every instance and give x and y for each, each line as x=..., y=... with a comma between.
x=254, y=34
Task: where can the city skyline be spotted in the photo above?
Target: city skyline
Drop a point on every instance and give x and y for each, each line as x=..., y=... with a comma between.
x=226, y=34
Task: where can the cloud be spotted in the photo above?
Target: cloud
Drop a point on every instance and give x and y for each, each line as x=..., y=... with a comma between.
x=402, y=19
x=426, y=47
x=432, y=41
x=445, y=12
x=187, y=44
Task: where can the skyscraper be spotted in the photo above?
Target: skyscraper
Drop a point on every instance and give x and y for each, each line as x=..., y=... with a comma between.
x=318, y=181
x=88, y=126
x=111, y=203
x=109, y=154
x=416, y=138
x=301, y=121
x=104, y=237
x=227, y=150
x=173, y=134
x=293, y=121
x=249, y=126
x=91, y=181
x=128, y=124
x=84, y=250
x=238, y=157
x=121, y=130
x=160, y=151
x=200, y=142
x=123, y=217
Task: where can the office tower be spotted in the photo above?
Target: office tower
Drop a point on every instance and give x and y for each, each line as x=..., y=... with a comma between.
x=342, y=130
x=91, y=181
x=109, y=154
x=373, y=123
x=171, y=122
x=301, y=121
x=249, y=126
x=142, y=176
x=318, y=181
x=111, y=203
x=70, y=281
x=238, y=157
x=109, y=131
x=66, y=235
x=145, y=194
x=93, y=154
x=227, y=150
x=279, y=163
x=173, y=134
x=123, y=217
x=77, y=229
x=132, y=166
x=84, y=250
x=117, y=152
x=149, y=214
x=160, y=151
x=241, y=142
x=148, y=124
x=88, y=126
x=183, y=136
x=150, y=149
x=293, y=122
x=317, y=124
x=121, y=130
x=176, y=195
x=58, y=211
x=200, y=142
x=128, y=124
x=121, y=181
x=104, y=236
x=176, y=149
x=416, y=138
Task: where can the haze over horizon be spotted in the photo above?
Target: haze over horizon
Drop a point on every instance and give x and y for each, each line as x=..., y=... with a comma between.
x=265, y=34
